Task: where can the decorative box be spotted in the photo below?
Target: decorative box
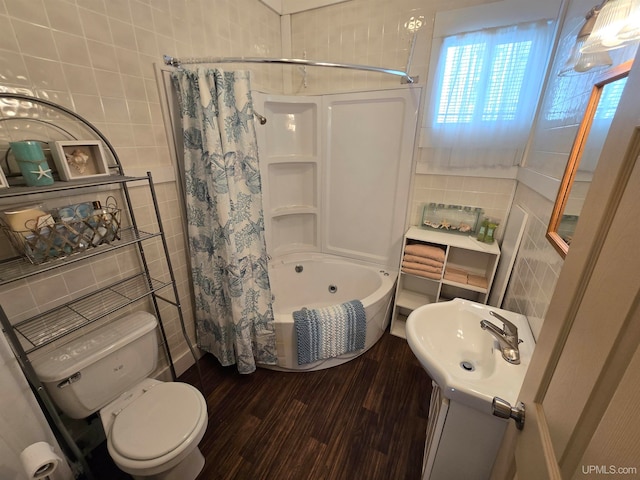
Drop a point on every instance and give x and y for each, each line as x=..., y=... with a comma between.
x=452, y=218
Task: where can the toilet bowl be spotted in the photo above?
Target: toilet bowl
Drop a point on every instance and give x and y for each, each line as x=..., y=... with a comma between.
x=154, y=429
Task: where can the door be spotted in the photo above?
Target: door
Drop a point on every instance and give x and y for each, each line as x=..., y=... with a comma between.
x=369, y=142
x=582, y=390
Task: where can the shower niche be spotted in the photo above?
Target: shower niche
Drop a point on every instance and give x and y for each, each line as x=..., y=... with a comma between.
x=289, y=163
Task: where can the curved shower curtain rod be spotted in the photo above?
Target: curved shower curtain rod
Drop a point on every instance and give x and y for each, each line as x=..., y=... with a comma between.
x=175, y=62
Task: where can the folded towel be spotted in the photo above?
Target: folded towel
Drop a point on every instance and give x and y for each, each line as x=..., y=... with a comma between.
x=478, y=281
x=421, y=266
x=422, y=273
x=425, y=260
x=330, y=331
x=456, y=275
x=427, y=251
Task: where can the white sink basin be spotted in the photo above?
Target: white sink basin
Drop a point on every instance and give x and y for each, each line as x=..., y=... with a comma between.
x=464, y=360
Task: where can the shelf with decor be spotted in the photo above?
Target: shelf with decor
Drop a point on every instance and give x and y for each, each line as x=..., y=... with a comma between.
x=17, y=268
x=437, y=266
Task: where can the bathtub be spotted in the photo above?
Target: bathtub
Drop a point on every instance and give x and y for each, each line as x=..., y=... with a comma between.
x=319, y=280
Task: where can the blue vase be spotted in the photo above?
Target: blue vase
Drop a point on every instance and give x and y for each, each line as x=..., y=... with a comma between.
x=33, y=165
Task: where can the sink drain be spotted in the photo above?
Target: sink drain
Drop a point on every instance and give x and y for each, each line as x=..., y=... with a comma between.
x=468, y=366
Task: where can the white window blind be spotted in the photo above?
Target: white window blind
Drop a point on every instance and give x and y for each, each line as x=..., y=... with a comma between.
x=486, y=87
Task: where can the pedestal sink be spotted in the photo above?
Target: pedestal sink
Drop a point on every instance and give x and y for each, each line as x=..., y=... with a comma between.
x=466, y=365
x=464, y=360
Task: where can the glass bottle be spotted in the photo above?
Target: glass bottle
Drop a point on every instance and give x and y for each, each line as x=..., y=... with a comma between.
x=491, y=230
x=482, y=232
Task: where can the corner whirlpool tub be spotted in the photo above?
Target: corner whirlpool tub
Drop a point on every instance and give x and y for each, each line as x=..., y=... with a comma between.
x=320, y=280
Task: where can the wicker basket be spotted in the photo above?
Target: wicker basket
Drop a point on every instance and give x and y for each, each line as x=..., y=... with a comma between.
x=63, y=238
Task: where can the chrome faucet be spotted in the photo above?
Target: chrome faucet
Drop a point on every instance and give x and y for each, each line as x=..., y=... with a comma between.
x=507, y=337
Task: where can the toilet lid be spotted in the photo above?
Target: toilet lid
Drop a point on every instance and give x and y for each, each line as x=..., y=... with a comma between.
x=157, y=422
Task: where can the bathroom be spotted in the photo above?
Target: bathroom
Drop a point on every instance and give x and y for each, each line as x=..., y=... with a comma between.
x=97, y=58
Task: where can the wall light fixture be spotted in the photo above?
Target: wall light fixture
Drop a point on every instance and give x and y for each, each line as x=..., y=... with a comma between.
x=617, y=25
x=580, y=62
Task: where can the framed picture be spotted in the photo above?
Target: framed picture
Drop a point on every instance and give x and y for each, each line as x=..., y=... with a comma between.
x=79, y=159
x=3, y=180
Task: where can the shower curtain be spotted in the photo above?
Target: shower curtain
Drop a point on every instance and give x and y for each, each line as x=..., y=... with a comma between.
x=234, y=316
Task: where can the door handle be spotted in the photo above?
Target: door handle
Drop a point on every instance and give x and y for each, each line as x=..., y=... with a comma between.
x=503, y=409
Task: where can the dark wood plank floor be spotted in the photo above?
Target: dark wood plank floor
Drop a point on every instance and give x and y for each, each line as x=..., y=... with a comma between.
x=362, y=420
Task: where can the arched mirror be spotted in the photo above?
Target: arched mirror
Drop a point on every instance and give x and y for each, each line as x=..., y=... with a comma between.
x=584, y=155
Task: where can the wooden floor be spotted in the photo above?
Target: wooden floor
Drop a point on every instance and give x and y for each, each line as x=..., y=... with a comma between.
x=362, y=420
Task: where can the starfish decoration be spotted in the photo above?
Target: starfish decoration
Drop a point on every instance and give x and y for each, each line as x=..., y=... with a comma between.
x=42, y=173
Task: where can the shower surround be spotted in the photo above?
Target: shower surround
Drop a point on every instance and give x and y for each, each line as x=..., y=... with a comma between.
x=336, y=175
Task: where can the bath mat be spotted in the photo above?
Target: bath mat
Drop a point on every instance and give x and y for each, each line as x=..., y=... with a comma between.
x=330, y=331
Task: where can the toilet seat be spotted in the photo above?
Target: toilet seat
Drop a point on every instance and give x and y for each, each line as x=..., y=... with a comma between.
x=131, y=425
x=157, y=422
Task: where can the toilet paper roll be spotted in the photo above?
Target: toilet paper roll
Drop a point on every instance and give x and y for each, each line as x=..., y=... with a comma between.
x=39, y=460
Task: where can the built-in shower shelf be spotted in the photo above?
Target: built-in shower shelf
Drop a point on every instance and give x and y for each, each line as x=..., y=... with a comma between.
x=283, y=160
x=19, y=267
x=50, y=326
x=293, y=210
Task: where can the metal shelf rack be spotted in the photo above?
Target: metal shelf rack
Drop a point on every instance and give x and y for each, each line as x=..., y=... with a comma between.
x=38, y=116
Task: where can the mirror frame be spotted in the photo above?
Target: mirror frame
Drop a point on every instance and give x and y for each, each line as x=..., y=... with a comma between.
x=610, y=76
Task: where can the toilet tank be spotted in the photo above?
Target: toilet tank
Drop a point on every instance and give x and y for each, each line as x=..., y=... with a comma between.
x=87, y=373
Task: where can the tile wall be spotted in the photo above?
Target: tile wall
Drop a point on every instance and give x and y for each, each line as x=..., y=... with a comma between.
x=365, y=32
x=537, y=265
x=493, y=195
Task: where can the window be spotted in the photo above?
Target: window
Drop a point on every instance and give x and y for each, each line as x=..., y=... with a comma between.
x=486, y=86
x=461, y=100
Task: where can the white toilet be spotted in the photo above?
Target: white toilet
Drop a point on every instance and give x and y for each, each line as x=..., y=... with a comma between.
x=153, y=428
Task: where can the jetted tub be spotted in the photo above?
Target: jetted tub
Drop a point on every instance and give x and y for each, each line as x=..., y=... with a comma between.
x=319, y=280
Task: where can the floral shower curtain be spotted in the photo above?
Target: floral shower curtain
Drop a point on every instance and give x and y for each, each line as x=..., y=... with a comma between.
x=234, y=317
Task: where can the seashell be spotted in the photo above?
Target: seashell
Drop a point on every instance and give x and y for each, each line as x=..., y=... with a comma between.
x=78, y=160
x=464, y=227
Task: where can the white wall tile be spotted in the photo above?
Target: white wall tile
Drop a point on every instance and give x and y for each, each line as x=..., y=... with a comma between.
x=64, y=16
x=119, y=9
x=8, y=39
x=72, y=48
x=80, y=79
x=94, y=5
x=103, y=56
x=14, y=71
x=141, y=15
x=35, y=40
x=32, y=11
x=95, y=26
x=44, y=73
x=123, y=34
